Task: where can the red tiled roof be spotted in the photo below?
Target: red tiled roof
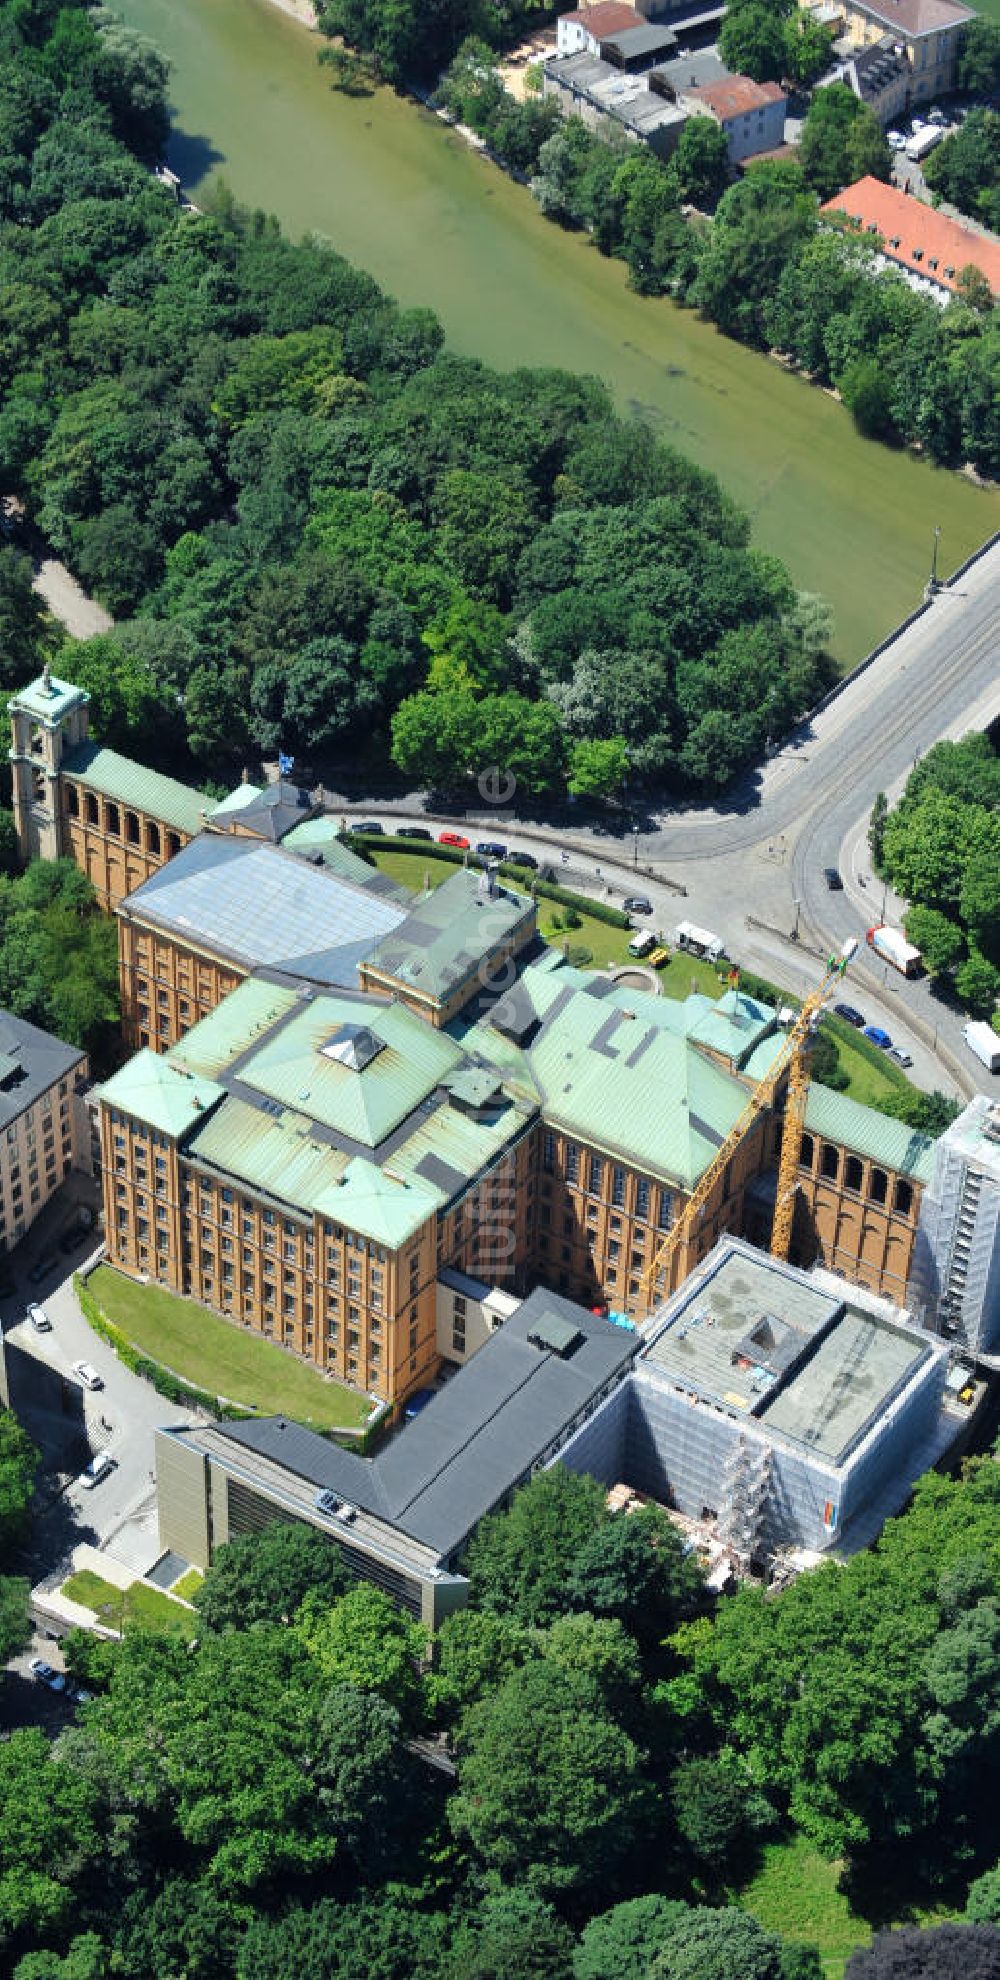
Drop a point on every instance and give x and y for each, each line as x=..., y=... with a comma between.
x=916, y=236
x=608, y=17
x=909, y=17
x=736, y=96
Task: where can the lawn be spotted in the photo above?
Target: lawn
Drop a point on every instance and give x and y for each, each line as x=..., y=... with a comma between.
x=795, y=1893
x=126, y=1607
x=873, y=1078
x=224, y=1359
x=188, y=1585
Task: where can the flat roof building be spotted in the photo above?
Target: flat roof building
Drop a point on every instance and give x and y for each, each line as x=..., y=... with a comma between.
x=404, y=1517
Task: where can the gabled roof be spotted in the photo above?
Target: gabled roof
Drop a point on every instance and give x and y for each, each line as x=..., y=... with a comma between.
x=129, y=783
x=31, y=1061
x=917, y=237
x=608, y=17
x=735, y=96
x=275, y=810
x=915, y=17
x=448, y=933
x=867, y=1132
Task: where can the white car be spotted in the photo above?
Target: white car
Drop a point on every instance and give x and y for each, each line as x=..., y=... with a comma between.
x=43, y=1673
x=97, y=1469
x=895, y=140
x=88, y=1375
x=39, y=1318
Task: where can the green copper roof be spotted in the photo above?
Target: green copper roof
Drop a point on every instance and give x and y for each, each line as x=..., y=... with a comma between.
x=449, y=932
x=366, y=1104
x=867, y=1132
x=371, y=1201
x=151, y=1089
x=322, y=835
x=47, y=699
x=227, y=1032
x=125, y=782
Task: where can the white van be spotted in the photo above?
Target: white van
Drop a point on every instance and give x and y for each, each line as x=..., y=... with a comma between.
x=642, y=944
x=698, y=941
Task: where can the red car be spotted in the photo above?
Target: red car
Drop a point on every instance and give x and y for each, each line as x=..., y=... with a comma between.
x=453, y=839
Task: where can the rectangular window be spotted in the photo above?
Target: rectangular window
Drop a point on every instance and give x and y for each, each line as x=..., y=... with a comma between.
x=572, y=1162
x=618, y=1187
x=596, y=1174
x=666, y=1216
x=548, y=1150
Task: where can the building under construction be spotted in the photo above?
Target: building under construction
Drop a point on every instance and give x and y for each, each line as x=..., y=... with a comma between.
x=955, y=1286
x=782, y=1410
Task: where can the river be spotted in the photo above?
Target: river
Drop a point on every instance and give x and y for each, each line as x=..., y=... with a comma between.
x=403, y=196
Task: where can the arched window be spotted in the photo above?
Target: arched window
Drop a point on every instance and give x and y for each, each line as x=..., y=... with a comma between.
x=112, y=821
x=152, y=837
x=807, y=1152
x=853, y=1172
x=72, y=801
x=830, y=1161
x=132, y=828
x=93, y=815
x=879, y=1189
x=903, y=1197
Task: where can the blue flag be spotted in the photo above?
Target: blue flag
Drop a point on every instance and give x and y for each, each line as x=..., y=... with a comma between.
x=286, y=764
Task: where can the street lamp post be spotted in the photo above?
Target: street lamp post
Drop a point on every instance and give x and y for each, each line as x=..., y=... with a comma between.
x=635, y=847
x=932, y=582
x=795, y=931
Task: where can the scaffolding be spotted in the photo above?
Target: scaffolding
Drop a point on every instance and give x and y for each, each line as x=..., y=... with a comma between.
x=746, y=1477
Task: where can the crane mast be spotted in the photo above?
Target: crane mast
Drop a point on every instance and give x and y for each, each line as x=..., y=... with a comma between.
x=793, y=1059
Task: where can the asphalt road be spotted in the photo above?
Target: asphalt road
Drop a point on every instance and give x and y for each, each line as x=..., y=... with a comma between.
x=761, y=854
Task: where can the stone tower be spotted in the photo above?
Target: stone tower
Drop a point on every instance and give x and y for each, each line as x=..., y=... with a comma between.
x=47, y=720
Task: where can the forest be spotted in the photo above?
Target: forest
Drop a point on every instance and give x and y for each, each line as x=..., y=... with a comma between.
x=316, y=527
x=253, y=1804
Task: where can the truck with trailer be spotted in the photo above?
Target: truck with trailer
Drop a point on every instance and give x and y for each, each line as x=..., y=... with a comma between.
x=698, y=941
x=895, y=949
x=983, y=1041
x=923, y=141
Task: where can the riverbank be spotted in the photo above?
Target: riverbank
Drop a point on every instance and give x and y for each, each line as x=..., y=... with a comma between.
x=399, y=193
x=302, y=11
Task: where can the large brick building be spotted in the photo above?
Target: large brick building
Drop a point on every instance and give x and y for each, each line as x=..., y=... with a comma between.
x=331, y=1170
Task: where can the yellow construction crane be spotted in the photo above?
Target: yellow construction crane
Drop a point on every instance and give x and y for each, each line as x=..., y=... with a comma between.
x=792, y=1059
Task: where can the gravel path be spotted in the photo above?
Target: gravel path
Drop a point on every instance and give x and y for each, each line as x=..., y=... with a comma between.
x=81, y=616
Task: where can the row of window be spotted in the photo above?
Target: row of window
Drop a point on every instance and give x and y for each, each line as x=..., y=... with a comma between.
x=854, y=1175
x=145, y=834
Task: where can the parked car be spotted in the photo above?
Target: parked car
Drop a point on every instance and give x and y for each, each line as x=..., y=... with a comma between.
x=418, y=1401
x=658, y=957
x=88, y=1375
x=39, y=1319
x=97, y=1469
x=523, y=859
x=638, y=904
x=878, y=1037
x=491, y=848
x=849, y=1015
x=895, y=140
x=371, y=826
x=833, y=879
x=78, y=1228
x=453, y=839
x=413, y=832
x=43, y=1673
x=80, y=1695
x=42, y=1267
x=900, y=1054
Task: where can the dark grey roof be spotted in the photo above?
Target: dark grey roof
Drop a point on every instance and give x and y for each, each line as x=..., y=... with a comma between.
x=258, y=905
x=633, y=43
x=30, y=1061
x=481, y=1434
x=274, y=813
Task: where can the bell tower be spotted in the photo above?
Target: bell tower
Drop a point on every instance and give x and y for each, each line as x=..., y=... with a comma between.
x=47, y=720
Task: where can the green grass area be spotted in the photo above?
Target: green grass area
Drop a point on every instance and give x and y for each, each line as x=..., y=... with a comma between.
x=222, y=1358
x=128, y=1608
x=415, y=870
x=795, y=1892
x=188, y=1585
x=871, y=1084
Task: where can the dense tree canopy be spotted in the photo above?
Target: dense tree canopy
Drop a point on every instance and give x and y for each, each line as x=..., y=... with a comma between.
x=940, y=847
x=58, y=957
x=265, y=1577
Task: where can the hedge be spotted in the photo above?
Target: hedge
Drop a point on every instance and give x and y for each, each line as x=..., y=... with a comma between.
x=163, y=1381
x=364, y=843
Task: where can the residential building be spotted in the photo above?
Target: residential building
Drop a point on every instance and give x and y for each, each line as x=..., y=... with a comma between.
x=928, y=32
x=880, y=77
x=751, y=114
x=635, y=49
x=74, y=799
x=926, y=247
x=597, y=92
x=956, y=1266
x=582, y=32
x=44, y=1123
x=779, y=1410
x=403, y=1518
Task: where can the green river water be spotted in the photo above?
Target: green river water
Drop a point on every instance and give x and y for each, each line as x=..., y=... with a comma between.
x=403, y=196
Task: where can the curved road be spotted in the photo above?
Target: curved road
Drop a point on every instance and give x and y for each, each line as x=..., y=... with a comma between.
x=762, y=855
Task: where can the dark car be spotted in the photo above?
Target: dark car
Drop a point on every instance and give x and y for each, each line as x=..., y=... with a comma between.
x=850, y=1015
x=418, y=1401
x=638, y=904
x=833, y=880
x=491, y=848
x=878, y=1037
x=371, y=826
x=523, y=859
x=413, y=832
